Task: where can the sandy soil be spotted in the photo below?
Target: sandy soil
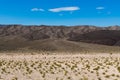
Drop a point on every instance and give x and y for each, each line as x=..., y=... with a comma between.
x=60, y=67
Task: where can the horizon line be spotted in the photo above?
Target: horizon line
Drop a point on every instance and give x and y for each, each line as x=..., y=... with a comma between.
x=59, y=25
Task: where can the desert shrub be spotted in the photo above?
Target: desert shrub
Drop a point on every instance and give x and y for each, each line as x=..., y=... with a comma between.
x=118, y=69
x=107, y=76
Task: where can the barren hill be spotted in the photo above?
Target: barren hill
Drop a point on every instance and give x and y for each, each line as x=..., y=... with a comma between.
x=51, y=38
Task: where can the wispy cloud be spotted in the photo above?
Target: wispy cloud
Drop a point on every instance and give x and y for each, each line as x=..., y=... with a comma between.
x=100, y=8
x=64, y=9
x=37, y=9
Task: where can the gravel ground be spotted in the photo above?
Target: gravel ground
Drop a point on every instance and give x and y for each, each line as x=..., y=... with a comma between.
x=100, y=66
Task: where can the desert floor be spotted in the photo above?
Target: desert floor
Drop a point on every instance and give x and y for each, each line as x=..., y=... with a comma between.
x=60, y=67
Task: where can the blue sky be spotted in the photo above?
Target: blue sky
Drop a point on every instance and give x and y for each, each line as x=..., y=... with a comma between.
x=60, y=12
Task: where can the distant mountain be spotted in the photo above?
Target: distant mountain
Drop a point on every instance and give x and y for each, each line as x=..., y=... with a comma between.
x=92, y=34
x=89, y=34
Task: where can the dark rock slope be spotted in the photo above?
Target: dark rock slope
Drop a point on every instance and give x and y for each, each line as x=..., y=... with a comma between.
x=90, y=34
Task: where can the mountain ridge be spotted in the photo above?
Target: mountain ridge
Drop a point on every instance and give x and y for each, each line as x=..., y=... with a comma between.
x=20, y=34
x=49, y=31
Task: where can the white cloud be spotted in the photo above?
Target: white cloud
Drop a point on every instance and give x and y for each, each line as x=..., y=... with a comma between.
x=100, y=8
x=64, y=9
x=37, y=9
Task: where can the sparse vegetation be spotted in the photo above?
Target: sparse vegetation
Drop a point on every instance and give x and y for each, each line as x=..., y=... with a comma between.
x=59, y=67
